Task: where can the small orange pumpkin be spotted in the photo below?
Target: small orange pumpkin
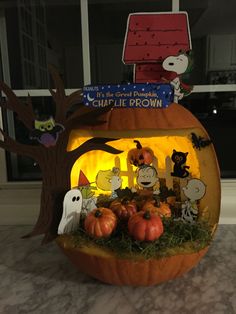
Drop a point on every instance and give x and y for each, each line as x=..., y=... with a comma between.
x=140, y=156
x=171, y=200
x=100, y=222
x=149, y=205
x=162, y=210
x=123, y=209
x=145, y=226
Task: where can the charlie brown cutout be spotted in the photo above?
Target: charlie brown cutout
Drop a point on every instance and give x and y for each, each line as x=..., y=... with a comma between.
x=194, y=191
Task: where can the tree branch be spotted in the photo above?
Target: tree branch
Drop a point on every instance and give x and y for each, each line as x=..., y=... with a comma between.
x=24, y=111
x=74, y=98
x=63, y=102
x=95, y=143
x=14, y=147
x=82, y=115
x=87, y=116
x=59, y=95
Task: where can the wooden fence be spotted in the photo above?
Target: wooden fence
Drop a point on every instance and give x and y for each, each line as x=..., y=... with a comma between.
x=174, y=183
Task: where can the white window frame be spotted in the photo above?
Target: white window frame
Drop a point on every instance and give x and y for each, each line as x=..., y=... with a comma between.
x=228, y=185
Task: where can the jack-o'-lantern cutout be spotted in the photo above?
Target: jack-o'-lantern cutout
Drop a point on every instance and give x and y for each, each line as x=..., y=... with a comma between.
x=140, y=156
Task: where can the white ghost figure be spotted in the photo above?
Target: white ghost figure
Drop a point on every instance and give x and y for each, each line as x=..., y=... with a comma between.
x=72, y=206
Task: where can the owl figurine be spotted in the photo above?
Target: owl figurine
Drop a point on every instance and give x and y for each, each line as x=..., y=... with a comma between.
x=46, y=132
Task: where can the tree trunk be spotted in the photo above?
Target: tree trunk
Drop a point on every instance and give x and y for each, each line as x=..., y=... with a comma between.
x=56, y=164
x=55, y=183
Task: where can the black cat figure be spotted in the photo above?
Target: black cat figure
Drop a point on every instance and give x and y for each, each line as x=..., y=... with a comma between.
x=179, y=159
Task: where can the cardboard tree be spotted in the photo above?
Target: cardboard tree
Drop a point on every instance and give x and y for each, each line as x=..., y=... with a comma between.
x=150, y=39
x=51, y=155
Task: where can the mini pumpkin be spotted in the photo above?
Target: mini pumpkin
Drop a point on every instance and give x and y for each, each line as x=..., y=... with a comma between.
x=124, y=209
x=140, y=156
x=162, y=210
x=145, y=226
x=100, y=222
x=171, y=200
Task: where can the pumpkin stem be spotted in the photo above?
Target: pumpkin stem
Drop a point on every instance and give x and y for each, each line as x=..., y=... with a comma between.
x=98, y=213
x=147, y=215
x=138, y=144
x=125, y=201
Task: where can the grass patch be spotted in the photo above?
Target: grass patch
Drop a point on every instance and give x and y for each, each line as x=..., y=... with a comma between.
x=178, y=237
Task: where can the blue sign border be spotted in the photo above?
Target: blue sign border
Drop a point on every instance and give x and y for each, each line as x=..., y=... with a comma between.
x=131, y=95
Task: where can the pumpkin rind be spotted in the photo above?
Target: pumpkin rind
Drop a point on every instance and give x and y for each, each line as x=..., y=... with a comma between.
x=173, y=117
x=110, y=269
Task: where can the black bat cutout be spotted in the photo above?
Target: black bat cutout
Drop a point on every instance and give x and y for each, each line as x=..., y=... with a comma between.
x=199, y=141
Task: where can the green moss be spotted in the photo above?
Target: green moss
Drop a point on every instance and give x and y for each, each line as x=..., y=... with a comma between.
x=178, y=237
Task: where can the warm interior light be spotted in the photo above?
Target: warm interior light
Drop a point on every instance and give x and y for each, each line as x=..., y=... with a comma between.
x=93, y=161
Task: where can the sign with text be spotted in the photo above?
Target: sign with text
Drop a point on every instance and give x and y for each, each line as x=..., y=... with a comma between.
x=149, y=95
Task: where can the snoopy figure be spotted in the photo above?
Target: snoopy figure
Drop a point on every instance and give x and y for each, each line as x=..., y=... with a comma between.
x=194, y=191
x=178, y=65
x=72, y=206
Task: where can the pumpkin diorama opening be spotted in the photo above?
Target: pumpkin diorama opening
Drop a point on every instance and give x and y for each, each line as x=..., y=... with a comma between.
x=131, y=248
x=131, y=186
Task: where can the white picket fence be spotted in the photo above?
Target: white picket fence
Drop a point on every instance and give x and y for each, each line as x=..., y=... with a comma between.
x=170, y=181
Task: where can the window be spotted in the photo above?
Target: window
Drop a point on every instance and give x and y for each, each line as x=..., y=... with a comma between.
x=107, y=24
x=38, y=33
x=50, y=32
x=213, y=33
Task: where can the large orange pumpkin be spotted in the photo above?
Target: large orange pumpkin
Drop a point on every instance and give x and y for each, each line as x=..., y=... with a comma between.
x=145, y=226
x=128, y=123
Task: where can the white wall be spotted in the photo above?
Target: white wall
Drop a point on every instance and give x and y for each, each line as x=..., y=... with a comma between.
x=228, y=202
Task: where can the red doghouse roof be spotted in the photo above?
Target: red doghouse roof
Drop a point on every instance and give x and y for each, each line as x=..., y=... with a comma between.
x=151, y=37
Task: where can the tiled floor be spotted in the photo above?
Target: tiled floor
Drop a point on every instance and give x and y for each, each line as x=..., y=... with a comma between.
x=39, y=279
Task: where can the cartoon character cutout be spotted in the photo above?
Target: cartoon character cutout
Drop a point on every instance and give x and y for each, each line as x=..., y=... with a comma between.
x=178, y=65
x=194, y=191
x=147, y=179
x=89, y=200
x=180, y=169
x=109, y=180
x=72, y=206
x=46, y=132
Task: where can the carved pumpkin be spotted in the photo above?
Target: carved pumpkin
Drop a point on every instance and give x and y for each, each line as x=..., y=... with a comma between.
x=140, y=156
x=123, y=209
x=152, y=127
x=100, y=222
x=145, y=226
